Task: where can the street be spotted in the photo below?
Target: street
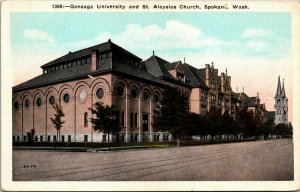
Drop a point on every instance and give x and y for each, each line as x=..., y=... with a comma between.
x=254, y=161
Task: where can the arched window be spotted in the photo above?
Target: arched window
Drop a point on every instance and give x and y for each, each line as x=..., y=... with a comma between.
x=278, y=102
x=278, y=111
x=86, y=119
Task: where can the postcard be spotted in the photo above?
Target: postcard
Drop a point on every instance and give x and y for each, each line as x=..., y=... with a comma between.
x=150, y=95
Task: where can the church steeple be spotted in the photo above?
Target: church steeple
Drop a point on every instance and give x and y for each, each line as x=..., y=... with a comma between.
x=281, y=104
x=283, y=90
x=278, y=92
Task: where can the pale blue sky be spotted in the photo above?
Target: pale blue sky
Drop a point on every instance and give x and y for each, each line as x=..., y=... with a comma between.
x=255, y=47
x=227, y=27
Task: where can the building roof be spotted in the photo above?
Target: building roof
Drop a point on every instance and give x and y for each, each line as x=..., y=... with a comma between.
x=82, y=71
x=247, y=100
x=87, y=51
x=156, y=66
x=170, y=66
x=193, y=74
x=253, y=99
x=153, y=69
x=55, y=77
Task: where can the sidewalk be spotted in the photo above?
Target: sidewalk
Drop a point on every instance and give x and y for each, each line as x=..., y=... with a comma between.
x=87, y=149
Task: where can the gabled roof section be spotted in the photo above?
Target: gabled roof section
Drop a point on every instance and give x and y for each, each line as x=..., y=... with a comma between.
x=170, y=66
x=253, y=99
x=156, y=66
x=249, y=101
x=194, y=75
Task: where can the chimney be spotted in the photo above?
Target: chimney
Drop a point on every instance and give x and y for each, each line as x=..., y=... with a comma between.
x=207, y=74
x=222, y=82
x=94, y=60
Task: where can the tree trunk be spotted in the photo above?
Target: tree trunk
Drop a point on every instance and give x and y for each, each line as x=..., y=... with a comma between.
x=108, y=141
x=178, y=142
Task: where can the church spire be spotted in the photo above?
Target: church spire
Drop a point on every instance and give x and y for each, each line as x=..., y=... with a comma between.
x=283, y=90
x=278, y=92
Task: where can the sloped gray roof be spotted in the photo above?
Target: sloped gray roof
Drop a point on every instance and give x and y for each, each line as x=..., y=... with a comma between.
x=82, y=71
x=55, y=77
x=170, y=66
x=250, y=102
x=193, y=75
x=87, y=51
x=156, y=66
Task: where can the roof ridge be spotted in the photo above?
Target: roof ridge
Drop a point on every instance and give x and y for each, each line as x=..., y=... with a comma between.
x=79, y=50
x=191, y=72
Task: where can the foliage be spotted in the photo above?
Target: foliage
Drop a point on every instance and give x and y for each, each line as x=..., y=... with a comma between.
x=172, y=113
x=213, y=123
x=104, y=119
x=57, y=120
x=30, y=136
x=283, y=130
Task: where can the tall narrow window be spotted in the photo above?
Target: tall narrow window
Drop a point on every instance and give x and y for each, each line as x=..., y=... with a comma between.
x=123, y=118
x=135, y=119
x=85, y=119
x=131, y=119
x=145, y=122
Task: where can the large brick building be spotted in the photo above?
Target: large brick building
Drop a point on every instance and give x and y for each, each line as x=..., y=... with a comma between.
x=112, y=75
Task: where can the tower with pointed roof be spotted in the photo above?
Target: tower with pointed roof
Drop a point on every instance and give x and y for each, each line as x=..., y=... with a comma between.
x=281, y=104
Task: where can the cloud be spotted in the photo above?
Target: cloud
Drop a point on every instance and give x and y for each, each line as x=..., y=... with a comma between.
x=255, y=33
x=36, y=34
x=174, y=35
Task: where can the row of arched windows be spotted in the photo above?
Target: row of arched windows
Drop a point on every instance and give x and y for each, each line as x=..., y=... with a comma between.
x=65, y=98
x=134, y=93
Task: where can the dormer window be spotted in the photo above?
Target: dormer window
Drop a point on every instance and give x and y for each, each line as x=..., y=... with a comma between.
x=180, y=76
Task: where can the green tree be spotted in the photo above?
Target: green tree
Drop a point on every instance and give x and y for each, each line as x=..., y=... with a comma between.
x=290, y=130
x=171, y=113
x=268, y=128
x=247, y=123
x=104, y=120
x=30, y=136
x=57, y=120
x=213, y=123
x=283, y=130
